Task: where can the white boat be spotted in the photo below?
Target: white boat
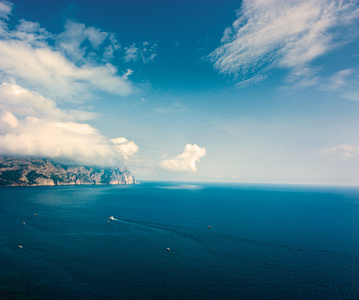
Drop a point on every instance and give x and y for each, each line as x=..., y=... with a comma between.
x=168, y=249
x=111, y=218
x=208, y=226
x=20, y=246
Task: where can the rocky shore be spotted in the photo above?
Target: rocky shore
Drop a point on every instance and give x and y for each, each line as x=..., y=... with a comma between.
x=16, y=171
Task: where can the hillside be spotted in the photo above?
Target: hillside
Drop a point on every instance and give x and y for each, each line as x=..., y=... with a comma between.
x=37, y=171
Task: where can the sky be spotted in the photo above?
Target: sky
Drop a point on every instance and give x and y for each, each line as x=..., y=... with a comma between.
x=257, y=91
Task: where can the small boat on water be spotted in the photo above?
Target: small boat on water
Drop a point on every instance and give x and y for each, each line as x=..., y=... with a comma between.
x=111, y=218
x=208, y=226
x=20, y=246
x=168, y=249
x=35, y=215
x=23, y=223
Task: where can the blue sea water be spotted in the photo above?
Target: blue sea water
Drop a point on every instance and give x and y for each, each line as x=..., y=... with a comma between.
x=265, y=242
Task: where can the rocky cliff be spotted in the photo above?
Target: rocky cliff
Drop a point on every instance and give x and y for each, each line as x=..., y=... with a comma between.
x=36, y=171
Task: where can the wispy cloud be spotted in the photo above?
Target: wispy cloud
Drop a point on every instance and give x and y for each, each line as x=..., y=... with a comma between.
x=251, y=80
x=5, y=9
x=186, y=161
x=283, y=34
x=53, y=75
x=71, y=40
x=172, y=108
x=345, y=83
x=344, y=151
x=145, y=52
x=351, y=94
x=65, y=71
x=339, y=79
x=24, y=102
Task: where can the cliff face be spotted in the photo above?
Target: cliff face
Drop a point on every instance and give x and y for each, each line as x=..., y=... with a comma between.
x=36, y=171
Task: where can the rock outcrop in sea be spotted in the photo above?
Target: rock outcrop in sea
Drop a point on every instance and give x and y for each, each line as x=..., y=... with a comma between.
x=16, y=171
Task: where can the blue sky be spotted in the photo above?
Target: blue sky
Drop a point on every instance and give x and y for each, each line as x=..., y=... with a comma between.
x=227, y=91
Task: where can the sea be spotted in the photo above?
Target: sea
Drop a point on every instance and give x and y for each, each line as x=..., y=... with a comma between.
x=179, y=241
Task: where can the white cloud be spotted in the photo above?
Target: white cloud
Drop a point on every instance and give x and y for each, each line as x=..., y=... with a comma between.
x=30, y=32
x=345, y=83
x=33, y=125
x=9, y=119
x=5, y=9
x=51, y=74
x=144, y=52
x=339, y=79
x=69, y=70
x=172, y=108
x=48, y=138
x=352, y=94
x=344, y=151
x=110, y=49
x=131, y=53
x=284, y=34
x=186, y=161
x=125, y=147
x=25, y=102
x=95, y=36
x=71, y=41
x=252, y=80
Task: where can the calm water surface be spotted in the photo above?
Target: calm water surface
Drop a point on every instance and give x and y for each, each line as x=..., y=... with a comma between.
x=265, y=242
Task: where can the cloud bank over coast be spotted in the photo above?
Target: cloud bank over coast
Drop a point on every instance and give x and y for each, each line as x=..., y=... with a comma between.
x=40, y=71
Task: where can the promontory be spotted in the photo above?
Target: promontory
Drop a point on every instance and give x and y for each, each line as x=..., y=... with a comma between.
x=25, y=171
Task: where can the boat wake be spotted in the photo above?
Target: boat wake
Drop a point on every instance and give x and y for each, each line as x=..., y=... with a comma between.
x=151, y=225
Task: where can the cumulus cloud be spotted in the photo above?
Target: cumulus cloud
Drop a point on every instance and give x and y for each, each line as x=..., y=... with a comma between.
x=344, y=151
x=33, y=125
x=186, y=161
x=283, y=34
x=125, y=147
x=144, y=52
x=9, y=119
x=48, y=138
x=24, y=102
